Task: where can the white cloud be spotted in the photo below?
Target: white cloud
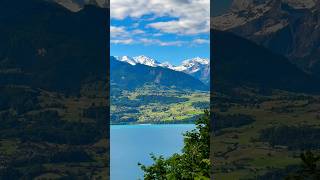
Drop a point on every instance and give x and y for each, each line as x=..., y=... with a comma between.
x=183, y=27
x=158, y=42
x=121, y=41
x=137, y=31
x=192, y=16
x=118, y=31
x=146, y=41
x=201, y=41
x=122, y=32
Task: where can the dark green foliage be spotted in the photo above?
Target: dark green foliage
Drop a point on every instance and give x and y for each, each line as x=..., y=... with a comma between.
x=18, y=99
x=194, y=161
x=47, y=126
x=10, y=173
x=277, y=174
x=126, y=102
x=295, y=138
x=32, y=171
x=146, y=99
x=70, y=156
x=201, y=105
x=230, y=121
x=116, y=119
x=14, y=173
x=309, y=169
x=96, y=112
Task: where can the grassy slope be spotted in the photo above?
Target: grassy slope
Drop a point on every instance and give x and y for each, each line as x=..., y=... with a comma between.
x=15, y=151
x=238, y=154
x=160, y=112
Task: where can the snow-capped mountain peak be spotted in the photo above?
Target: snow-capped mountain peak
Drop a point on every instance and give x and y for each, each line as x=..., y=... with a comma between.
x=146, y=61
x=196, y=60
x=193, y=65
x=127, y=59
x=138, y=60
x=196, y=67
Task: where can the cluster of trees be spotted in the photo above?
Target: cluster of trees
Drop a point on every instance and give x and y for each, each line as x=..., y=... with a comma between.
x=308, y=169
x=201, y=105
x=49, y=127
x=224, y=103
x=18, y=99
x=146, y=99
x=230, y=121
x=294, y=137
x=192, y=163
x=125, y=102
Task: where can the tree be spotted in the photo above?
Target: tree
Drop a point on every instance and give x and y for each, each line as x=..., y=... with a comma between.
x=192, y=163
x=309, y=169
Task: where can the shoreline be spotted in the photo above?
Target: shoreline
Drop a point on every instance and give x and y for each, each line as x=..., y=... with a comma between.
x=147, y=124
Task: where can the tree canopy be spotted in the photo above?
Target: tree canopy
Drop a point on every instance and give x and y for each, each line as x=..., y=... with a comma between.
x=192, y=163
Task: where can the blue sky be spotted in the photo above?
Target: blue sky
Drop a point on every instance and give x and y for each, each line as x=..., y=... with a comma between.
x=166, y=30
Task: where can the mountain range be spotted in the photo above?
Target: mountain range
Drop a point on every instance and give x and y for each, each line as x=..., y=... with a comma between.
x=130, y=73
x=196, y=67
x=286, y=27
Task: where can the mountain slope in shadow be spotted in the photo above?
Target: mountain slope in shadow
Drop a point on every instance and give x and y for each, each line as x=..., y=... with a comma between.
x=239, y=62
x=47, y=46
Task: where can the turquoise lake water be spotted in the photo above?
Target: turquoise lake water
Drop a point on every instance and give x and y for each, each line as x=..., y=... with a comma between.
x=131, y=144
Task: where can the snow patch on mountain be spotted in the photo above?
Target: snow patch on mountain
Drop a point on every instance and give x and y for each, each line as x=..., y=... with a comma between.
x=146, y=61
x=126, y=59
x=192, y=65
x=166, y=64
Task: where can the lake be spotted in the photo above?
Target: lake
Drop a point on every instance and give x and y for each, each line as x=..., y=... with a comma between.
x=131, y=144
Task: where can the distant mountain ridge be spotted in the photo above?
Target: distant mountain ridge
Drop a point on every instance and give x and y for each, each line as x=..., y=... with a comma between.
x=127, y=76
x=196, y=67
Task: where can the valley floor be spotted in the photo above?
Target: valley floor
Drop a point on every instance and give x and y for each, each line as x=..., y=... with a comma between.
x=157, y=106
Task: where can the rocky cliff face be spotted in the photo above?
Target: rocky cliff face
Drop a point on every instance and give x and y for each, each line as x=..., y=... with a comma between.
x=287, y=27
